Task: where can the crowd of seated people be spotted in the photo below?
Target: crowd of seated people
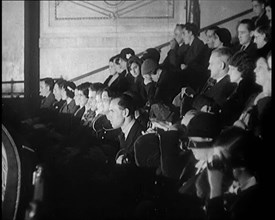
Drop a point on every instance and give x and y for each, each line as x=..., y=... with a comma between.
x=171, y=140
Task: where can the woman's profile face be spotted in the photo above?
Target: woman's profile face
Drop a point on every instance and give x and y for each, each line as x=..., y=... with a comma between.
x=268, y=12
x=259, y=39
x=261, y=71
x=112, y=68
x=234, y=74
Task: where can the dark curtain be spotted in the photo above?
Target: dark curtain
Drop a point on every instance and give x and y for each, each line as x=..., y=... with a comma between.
x=193, y=12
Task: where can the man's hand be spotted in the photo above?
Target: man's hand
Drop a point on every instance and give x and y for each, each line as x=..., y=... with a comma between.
x=147, y=79
x=183, y=66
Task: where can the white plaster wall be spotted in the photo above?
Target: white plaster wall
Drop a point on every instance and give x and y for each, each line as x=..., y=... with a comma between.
x=216, y=10
x=12, y=43
x=71, y=47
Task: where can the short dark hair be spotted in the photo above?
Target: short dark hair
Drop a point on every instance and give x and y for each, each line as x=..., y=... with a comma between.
x=96, y=86
x=109, y=91
x=180, y=25
x=84, y=87
x=264, y=29
x=59, y=82
x=49, y=82
x=112, y=59
x=244, y=64
x=191, y=27
x=268, y=3
x=212, y=28
x=126, y=101
x=249, y=23
x=263, y=2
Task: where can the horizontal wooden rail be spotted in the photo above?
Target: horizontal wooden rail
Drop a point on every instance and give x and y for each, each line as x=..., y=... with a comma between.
x=167, y=43
x=9, y=82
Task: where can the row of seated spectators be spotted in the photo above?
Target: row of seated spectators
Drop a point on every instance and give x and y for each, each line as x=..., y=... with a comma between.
x=180, y=139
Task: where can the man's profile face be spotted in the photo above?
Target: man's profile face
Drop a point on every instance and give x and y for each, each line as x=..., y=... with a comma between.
x=244, y=34
x=187, y=36
x=258, y=8
x=44, y=89
x=178, y=34
x=57, y=92
x=210, y=38
x=115, y=114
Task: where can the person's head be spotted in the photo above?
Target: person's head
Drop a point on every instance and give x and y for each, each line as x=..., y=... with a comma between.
x=151, y=53
x=245, y=31
x=117, y=66
x=223, y=38
x=236, y=146
x=210, y=34
x=57, y=89
x=241, y=66
x=261, y=36
x=202, y=129
x=124, y=56
x=106, y=96
x=112, y=68
x=93, y=88
x=67, y=90
x=190, y=31
x=148, y=68
x=121, y=110
x=178, y=33
x=263, y=75
x=46, y=86
x=258, y=7
x=218, y=62
x=98, y=100
x=82, y=96
x=134, y=66
x=268, y=10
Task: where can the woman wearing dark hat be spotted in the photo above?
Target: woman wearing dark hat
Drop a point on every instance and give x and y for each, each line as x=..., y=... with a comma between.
x=223, y=38
x=237, y=152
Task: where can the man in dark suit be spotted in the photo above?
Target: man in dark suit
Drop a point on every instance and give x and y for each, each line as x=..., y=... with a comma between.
x=259, y=9
x=46, y=91
x=121, y=115
x=217, y=88
x=195, y=59
x=245, y=35
x=178, y=48
x=213, y=96
x=118, y=81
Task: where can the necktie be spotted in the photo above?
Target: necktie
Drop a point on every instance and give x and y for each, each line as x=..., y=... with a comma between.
x=242, y=48
x=209, y=84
